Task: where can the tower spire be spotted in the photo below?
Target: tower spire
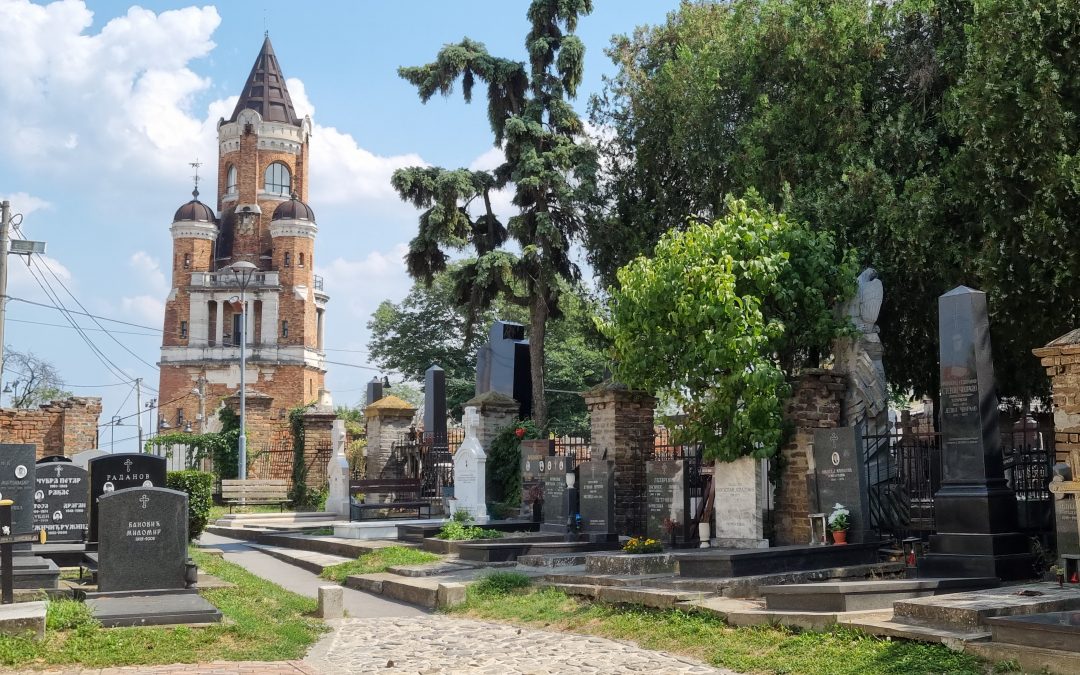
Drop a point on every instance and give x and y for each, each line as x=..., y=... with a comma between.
x=265, y=90
x=195, y=165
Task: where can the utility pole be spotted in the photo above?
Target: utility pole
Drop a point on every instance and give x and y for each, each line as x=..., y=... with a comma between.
x=138, y=409
x=5, y=216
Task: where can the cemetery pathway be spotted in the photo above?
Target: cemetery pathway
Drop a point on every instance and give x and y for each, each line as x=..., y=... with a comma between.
x=357, y=603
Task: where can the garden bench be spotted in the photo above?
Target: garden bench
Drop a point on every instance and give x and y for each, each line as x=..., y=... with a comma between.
x=255, y=492
x=406, y=492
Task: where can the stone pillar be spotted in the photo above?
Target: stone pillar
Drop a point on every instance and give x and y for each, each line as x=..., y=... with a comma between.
x=387, y=419
x=497, y=411
x=622, y=425
x=816, y=403
x=337, y=473
x=1061, y=358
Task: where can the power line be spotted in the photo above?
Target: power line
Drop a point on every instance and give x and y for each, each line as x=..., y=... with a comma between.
x=71, y=311
x=125, y=417
x=60, y=325
x=353, y=365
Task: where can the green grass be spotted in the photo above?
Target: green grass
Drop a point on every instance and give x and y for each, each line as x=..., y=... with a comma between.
x=378, y=561
x=747, y=650
x=265, y=623
x=219, y=511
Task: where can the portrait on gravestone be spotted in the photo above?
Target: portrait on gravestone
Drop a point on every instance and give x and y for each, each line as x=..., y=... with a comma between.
x=841, y=478
x=143, y=539
x=110, y=473
x=60, y=506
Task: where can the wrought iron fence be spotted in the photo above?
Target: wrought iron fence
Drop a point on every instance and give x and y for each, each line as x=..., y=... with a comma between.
x=426, y=456
x=578, y=449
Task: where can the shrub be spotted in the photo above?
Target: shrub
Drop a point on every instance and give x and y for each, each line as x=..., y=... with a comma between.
x=460, y=528
x=504, y=462
x=642, y=545
x=501, y=583
x=199, y=487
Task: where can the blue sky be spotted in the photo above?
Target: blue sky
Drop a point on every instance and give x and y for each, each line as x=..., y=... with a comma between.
x=105, y=103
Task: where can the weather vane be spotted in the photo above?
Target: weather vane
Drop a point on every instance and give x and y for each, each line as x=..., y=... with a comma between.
x=195, y=165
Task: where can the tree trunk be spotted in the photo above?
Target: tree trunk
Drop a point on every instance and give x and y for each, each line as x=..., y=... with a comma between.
x=538, y=313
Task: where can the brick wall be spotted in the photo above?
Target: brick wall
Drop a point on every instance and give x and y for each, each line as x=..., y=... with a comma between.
x=387, y=419
x=622, y=424
x=816, y=402
x=57, y=428
x=1061, y=358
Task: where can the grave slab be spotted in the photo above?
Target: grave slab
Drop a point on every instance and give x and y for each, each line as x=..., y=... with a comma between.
x=738, y=504
x=596, y=498
x=851, y=596
x=141, y=608
x=1054, y=630
x=17, y=472
x=738, y=563
x=841, y=479
x=970, y=610
x=21, y=618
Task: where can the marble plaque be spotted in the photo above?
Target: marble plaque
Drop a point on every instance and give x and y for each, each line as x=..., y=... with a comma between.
x=60, y=505
x=143, y=539
x=666, y=497
x=738, y=503
x=110, y=473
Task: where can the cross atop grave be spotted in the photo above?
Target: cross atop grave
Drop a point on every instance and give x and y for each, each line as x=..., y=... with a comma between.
x=144, y=500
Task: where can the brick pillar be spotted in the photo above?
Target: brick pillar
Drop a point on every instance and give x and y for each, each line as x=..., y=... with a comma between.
x=318, y=435
x=622, y=424
x=1061, y=358
x=816, y=402
x=387, y=419
x=80, y=420
x=497, y=411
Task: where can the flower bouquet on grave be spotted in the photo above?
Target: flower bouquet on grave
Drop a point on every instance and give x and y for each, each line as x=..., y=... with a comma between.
x=642, y=545
x=838, y=523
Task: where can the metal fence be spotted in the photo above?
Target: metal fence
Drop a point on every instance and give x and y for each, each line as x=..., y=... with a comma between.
x=428, y=457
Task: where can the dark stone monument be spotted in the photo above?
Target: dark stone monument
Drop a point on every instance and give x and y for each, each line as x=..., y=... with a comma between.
x=435, y=403
x=502, y=364
x=374, y=391
x=841, y=479
x=596, y=495
x=143, y=540
x=975, y=510
x=60, y=506
x=17, y=465
x=110, y=473
x=667, y=498
x=53, y=458
x=1068, y=538
x=558, y=498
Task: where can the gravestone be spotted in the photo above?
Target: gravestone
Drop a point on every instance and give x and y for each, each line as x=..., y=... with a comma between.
x=558, y=507
x=502, y=364
x=53, y=458
x=1068, y=537
x=374, y=391
x=840, y=478
x=667, y=498
x=337, y=473
x=83, y=458
x=596, y=498
x=435, y=403
x=118, y=472
x=143, y=540
x=470, y=472
x=975, y=510
x=534, y=454
x=739, y=504
x=60, y=506
x=17, y=471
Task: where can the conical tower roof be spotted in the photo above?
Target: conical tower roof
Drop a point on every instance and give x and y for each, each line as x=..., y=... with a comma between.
x=265, y=90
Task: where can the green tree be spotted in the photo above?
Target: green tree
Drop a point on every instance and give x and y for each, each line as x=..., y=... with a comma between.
x=33, y=380
x=547, y=159
x=720, y=315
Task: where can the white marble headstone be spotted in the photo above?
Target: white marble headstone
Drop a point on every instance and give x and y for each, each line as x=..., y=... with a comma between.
x=337, y=501
x=470, y=472
x=739, y=502
x=83, y=458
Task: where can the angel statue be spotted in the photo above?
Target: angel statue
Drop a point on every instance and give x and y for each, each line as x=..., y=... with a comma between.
x=859, y=356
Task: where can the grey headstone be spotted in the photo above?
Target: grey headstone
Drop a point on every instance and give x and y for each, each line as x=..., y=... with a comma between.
x=143, y=539
x=374, y=391
x=841, y=477
x=17, y=472
x=666, y=497
x=1068, y=539
x=60, y=505
x=435, y=402
x=110, y=473
x=596, y=489
x=556, y=497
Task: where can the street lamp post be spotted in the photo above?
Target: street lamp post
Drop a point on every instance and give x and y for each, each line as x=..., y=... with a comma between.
x=242, y=272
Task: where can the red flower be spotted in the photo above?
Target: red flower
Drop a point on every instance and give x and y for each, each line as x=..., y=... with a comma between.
x=520, y=432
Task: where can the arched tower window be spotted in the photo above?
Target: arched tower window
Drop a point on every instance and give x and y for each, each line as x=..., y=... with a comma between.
x=230, y=180
x=278, y=179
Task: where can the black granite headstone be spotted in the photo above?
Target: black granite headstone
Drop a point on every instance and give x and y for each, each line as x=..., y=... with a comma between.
x=667, y=499
x=143, y=539
x=557, y=506
x=435, y=402
x=975, y=510
x=53, y=458
x=17, y=484
x=109, y=473
x=502, y=364
x=841, y=478
x=60, y=506
x=596, y=494
x=374, y=391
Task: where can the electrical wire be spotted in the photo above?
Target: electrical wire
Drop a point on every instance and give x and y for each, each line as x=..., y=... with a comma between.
x=60, y=325
x=71, y=311
x=125, y=417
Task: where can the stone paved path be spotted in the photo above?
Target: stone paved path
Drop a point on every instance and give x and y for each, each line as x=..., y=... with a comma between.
x=436, y=644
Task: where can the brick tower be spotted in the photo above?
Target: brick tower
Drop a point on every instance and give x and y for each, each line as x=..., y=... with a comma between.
x=264, y=220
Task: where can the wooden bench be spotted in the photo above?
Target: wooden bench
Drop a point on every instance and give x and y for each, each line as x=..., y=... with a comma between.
x=254, y=492
x=401, y=488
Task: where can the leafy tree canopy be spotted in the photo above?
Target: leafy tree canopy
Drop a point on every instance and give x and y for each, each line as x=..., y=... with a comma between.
x=33, y=380
x=720, y=314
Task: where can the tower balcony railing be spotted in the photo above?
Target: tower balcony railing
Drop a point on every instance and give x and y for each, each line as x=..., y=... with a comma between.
x=226, y=279
x=318, y=283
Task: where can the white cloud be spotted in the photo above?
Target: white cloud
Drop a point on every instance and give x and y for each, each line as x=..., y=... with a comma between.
x=22, y=284
x=363, y=284
x=143, y=309
x=149, y=273
x=24, y=203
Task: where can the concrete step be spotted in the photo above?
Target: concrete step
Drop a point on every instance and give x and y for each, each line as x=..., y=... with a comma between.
x=308, y=560
x=428, y=592
x=553, y=560
x=969, y=610
x=284, y=517
x=884, y=627
x=349, y=548
x=606, y=579
x=848, y=596
x=434, y=569
x=627, y=595
x=742, y=612
x=1030, y=659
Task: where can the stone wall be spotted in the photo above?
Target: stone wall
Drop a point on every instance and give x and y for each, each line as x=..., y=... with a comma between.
x=1061, y=358
x=816, y=403
x=622, y=424
x=56, y=428
x=387, y=419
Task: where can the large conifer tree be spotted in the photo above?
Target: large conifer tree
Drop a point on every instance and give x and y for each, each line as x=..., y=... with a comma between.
x=548, y=160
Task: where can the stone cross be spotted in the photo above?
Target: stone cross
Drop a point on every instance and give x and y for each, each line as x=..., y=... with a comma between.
x=59, y=470
x=144, y=500
x=471, y=422
x=1061, y=487
x=127, y=465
